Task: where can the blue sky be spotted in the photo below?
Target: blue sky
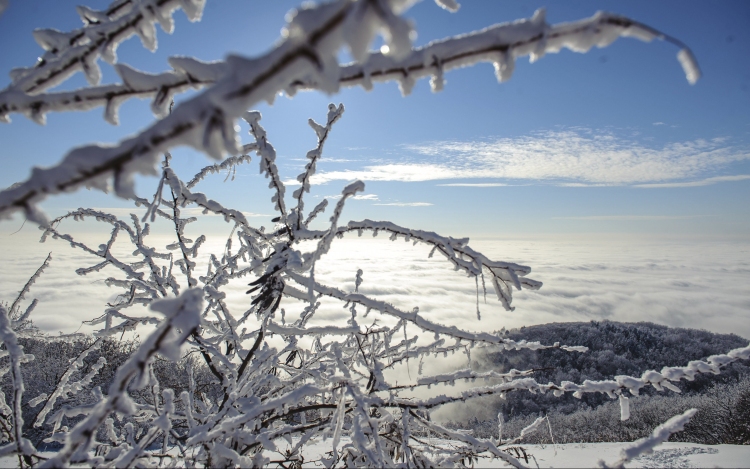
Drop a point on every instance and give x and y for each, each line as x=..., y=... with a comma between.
x=613, y=141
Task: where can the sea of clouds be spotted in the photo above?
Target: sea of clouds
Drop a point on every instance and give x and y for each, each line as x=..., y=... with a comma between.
x=697, y=284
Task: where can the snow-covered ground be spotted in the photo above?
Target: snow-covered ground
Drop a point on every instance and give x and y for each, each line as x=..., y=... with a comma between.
x=666, y=455
x=575, y=455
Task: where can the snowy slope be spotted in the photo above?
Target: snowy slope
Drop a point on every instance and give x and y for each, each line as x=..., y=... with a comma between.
x=577, y=455
x=572, y=455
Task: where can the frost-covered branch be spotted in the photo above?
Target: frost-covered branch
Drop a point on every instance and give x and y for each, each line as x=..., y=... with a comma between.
x=477, y=444
x=23, y=447
x=415, y=318
x=500, y=45
x=504, y=275
x=268, y=162
x=63, y=386
x=334, y=114
x=79, y=50
x=229, y=165
x=613, y=388
x=13, y=312
x=659, y=436
x=135, y=278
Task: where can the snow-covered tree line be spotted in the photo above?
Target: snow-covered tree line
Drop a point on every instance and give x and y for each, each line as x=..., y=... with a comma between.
x=613, y=349
x=723, y=417
x=285, y=380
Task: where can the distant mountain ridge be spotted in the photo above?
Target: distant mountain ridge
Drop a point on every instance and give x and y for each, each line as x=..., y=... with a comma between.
x=615, y=348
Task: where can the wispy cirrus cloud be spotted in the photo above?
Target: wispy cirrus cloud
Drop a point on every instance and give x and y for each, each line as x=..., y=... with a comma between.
x=407, y=204
x=375, y=198
x=474, y=184
x=701, y=182
x=356, y=197
x=403, y=172
x=628, y=217
x=572, y=157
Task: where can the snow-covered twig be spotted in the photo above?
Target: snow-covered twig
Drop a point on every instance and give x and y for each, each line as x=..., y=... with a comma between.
x=268, y=162
x=415, y=318
x=67, y=53
x=476, y=443
x=15, y=317
x=334, y=114
x=504, y=275
x=660, y=435
x=228, y=164
x=63, y=388
x=23, y=447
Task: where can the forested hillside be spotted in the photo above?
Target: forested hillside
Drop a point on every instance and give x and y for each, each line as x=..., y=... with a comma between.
x=722, y=401
x=723, y=417
x=614, y=349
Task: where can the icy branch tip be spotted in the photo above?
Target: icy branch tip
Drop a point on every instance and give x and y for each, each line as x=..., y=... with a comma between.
x=660, y=435
x=353, y=188
x=189, y=303
x=450, y=5
x=251, y=117
x=689, y=65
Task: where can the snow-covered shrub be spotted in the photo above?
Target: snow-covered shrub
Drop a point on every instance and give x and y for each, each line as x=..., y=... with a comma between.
x=281, y=380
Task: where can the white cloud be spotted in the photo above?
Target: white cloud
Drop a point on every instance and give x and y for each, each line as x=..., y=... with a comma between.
x=627, y=217
x=408, y=204
x=404, y=172
x=658, y=123
x=702, y=182
x=474, y=184
x=356, y=197
x=336, y=160
x=569, y=157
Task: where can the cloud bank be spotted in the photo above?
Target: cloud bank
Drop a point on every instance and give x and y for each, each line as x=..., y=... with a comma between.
x=662, y=282
x=692, y=284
